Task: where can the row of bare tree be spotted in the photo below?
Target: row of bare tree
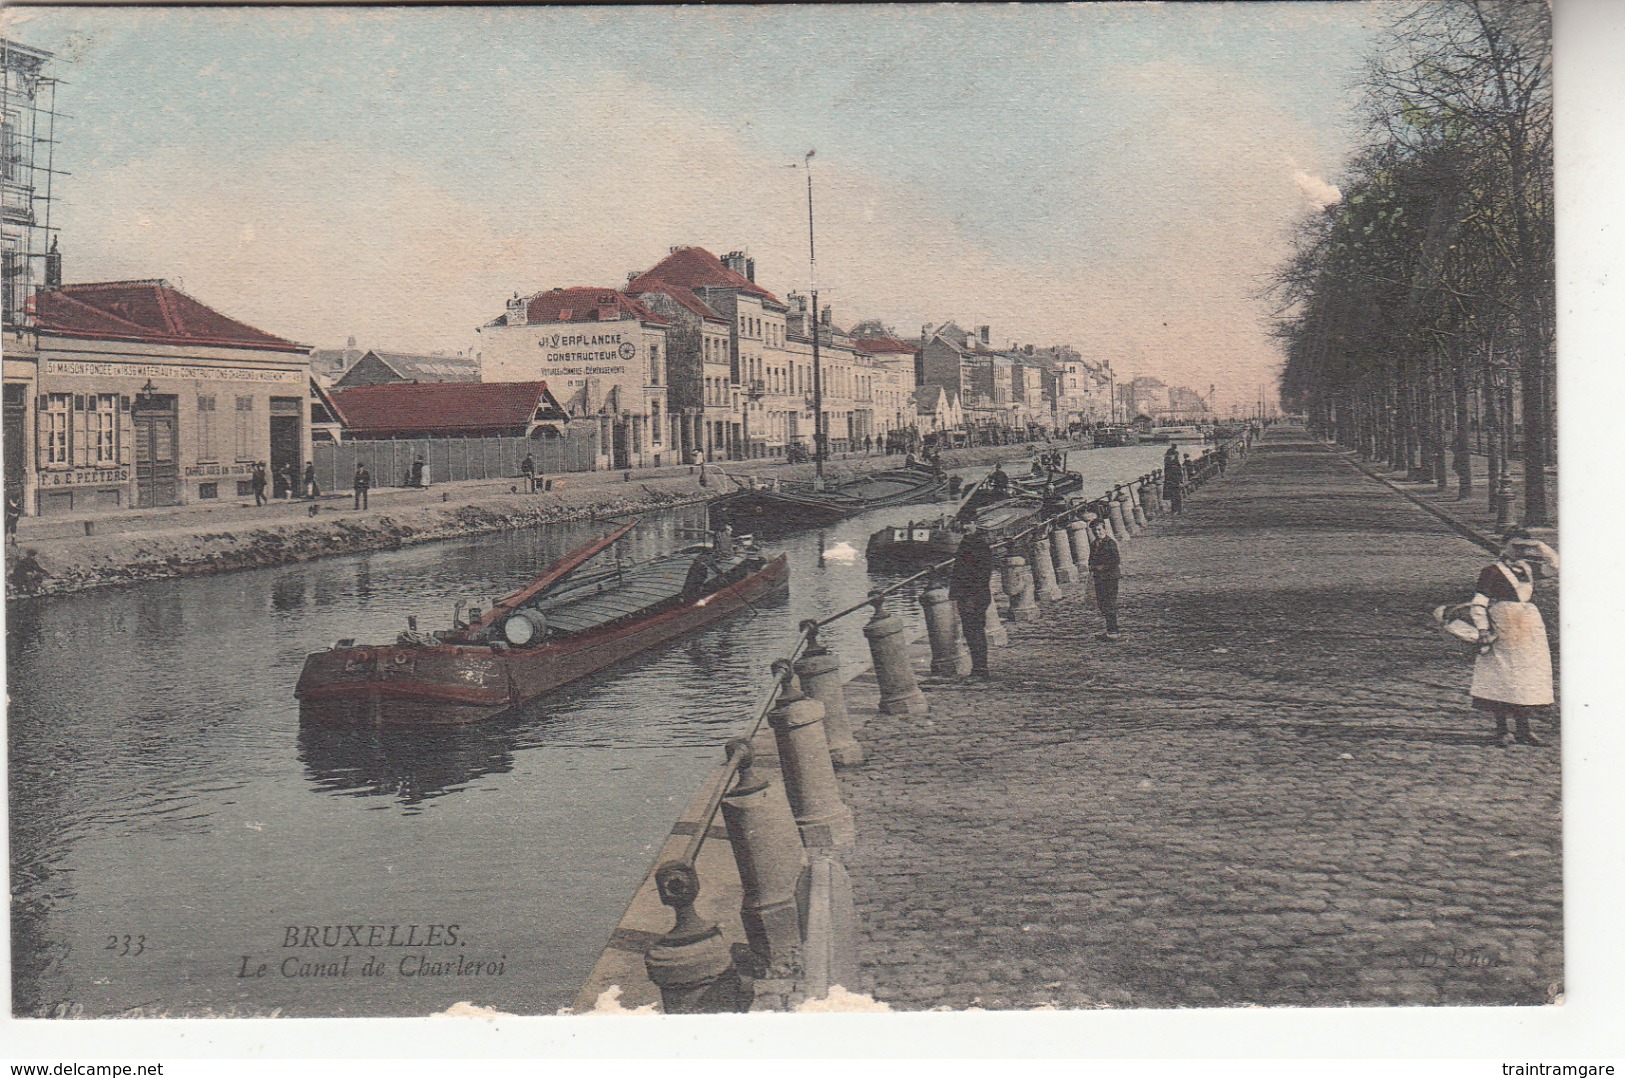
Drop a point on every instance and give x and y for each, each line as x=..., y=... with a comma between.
x=1418, y=311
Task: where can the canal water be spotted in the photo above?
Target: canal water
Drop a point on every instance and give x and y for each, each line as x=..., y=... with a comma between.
x=182, y=846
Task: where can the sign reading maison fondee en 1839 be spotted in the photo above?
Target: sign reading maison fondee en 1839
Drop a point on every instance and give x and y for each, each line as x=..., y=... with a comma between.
x=168, y=370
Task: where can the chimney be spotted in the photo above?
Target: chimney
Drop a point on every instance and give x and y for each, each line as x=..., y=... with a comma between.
x=824, y=315
x=349, y=343
x=632, y=275
x=750, y=270
x=518, y=312
x=735, y=261
x=53, y=266
x=986, y=333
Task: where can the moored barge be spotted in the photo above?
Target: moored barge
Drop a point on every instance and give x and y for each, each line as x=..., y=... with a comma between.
x=563, y=626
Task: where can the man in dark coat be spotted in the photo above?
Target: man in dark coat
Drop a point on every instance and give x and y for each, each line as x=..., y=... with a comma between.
x=256, y=482
x=1105, y=569
x=363, y=484
x=970, y=586
x=309, y=485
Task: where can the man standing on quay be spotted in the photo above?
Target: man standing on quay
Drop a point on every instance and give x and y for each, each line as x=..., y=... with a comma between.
x=970, y=586
x=1105, y=569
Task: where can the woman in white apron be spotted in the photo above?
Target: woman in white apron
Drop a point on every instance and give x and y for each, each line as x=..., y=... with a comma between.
x=1512, y=678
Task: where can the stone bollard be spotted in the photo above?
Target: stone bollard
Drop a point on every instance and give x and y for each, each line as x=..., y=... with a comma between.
x=1078, y=539
x=1137, y=503
x=820, y=674
x=1157, y=501
x=1114, y=513
x=767, y=848
x=997, y=635
x=1060, y=546
x=899, y=693
x=1018, y=581
x=1147, y=508
x=1125, y=505
x=948, y=658
x=692, y=965
x=809, y=773
x=1049, y=591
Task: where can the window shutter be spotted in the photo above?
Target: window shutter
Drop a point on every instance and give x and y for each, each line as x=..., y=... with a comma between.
x=80, y=433
x=42, y=437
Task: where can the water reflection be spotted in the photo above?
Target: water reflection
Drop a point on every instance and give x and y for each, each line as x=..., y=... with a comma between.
x=408, y=766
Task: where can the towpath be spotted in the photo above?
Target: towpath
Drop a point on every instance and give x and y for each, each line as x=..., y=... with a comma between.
x=1270, y=791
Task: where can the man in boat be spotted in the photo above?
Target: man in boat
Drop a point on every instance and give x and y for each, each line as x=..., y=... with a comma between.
x=722, y=542
x=970, y=586
x=998, y=482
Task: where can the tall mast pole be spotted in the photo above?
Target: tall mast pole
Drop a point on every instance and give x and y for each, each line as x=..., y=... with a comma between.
x=819, y=441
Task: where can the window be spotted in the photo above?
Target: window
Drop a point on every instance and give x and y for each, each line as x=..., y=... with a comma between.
x=654, y=364
x=208, y=490
x=245, y=428
x=205, y=431
x=245, y=488
x=104, y=429
x=54, y=429
x=654, y=422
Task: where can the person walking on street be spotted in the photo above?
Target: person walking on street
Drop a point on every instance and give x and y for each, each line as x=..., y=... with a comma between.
x=527, y=470
x=309, y=487
x=1512, y=676
x=970, y=586
x=420, y=472
x=1105, y=570
x=284, y=482
x=256, y=481
x=14, y=514
x=363, y=483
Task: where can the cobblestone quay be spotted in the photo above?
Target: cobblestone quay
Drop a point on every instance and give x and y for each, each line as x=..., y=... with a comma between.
x=1271, y=790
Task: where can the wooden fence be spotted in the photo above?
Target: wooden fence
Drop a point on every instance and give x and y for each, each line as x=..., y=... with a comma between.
x=451, y=459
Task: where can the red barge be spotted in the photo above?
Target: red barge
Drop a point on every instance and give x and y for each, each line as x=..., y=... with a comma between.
x=559, y=628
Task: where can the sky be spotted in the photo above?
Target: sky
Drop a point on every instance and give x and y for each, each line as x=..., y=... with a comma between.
x=1118, y=177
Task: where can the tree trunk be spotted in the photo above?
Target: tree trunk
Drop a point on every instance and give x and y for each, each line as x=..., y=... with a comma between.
x=1532, y=372
x=1461, y=448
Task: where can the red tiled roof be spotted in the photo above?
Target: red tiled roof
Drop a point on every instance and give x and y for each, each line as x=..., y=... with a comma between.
x=695, y=267
x=145, y=311
x=424, y=408
x=585, y=304
x=875, y=346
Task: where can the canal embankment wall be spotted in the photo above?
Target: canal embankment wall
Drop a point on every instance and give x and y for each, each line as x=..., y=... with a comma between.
x=58, y=556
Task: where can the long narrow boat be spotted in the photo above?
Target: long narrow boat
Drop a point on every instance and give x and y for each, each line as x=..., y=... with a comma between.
x=561, y=627
x=783, y=505
x=999, y=513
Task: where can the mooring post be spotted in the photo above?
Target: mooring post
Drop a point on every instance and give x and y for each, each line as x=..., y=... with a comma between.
x=1114, y=513
x=1078, y=538
x=1049, y=591
x=692, y=965
x=1018, y=581
x=809, y=773
x=942, y=628
x=820, y=672
x=767, y=847
x=1060, y=549
x=894, y=672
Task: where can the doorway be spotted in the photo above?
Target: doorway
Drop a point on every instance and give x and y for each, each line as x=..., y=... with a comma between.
x=156, y=431
x=285, y=448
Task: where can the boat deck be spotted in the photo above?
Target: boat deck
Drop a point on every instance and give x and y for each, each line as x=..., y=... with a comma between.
x=638, y=588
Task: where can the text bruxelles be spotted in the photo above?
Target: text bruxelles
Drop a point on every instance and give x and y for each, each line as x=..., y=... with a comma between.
x=370, y=935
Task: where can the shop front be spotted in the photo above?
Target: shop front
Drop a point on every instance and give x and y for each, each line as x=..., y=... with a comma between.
x=171, y=410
